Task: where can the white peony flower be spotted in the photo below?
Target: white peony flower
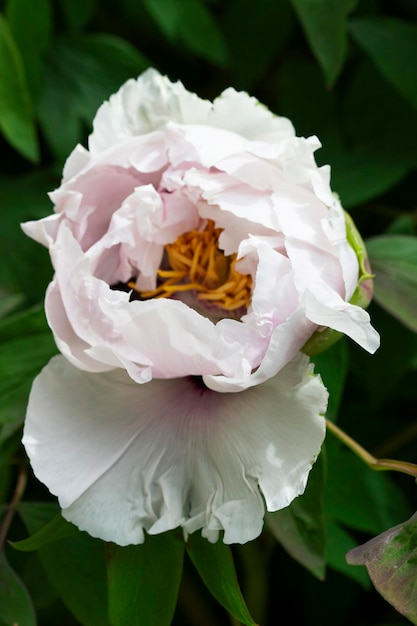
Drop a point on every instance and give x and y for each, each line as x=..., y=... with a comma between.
x=196, y=248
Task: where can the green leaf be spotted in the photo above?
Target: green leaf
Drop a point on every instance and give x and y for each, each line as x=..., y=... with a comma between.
x=324, y=23
x=357, y=497
x=392, y=45
x=78, y=12
x=270, y=25
x=339, y=542
x=32, y=41
x=393, y=259
x=391, y=561
x=16, y=114
x=190, y=24
x=9, y=301
x=36, y=514
x=300, y=527
x=81, y=72
x=25, y=266
x=57, y=528
x=15, y=603
x=75, y=566
x=214, y=563
x=26, y=346
x=332, y=365
x=144, y=581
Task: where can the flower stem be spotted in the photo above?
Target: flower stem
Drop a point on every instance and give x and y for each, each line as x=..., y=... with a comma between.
x=371, y=461
x=11, y=508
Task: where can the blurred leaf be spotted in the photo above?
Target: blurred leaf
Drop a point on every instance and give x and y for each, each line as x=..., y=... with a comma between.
x=15, y=604
x=26, y=346
x=78, y=12
x=381, y=375
x=300, y=527
x=82, y=71
x=144, y=581
x=190, y=24
x=339, y=542
x=392, y=45
x=9, y=301
x=57, y=528
x=75, y=566
x=263, y=29
x=357, y=497
x=368, y=103
x=391, y=561
x=214, y=563
x=367, y=156
x=393, y=259
x=25, y=266
x=358, y=176
x=36, y=514
x=324, y=22
x=31, y=25
x=16, y=115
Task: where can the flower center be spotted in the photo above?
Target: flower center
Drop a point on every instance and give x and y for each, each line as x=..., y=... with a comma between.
x=197, y=264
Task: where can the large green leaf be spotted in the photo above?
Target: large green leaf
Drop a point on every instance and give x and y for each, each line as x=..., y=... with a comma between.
x=191, y=24
x=270, y=25
x=358, y=497
x=78, y=12
x=16, y=115
x=300, y=527
x=324, y=22
x=339, y=542
x=26, y=346
x=392, y=45
x=32, y=42
x=391, y=561
x=57, y=528
x=15, y=604
x=24, y=264
x=75, y=566
x=81, y=72
x=367, y=155
x=393, y=259
x=214, y=563
x=144, y=581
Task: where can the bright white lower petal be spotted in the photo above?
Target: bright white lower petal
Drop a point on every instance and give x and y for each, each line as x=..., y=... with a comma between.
x=126, y=458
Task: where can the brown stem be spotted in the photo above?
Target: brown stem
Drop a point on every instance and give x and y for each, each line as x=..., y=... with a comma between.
x=11, y=508
x=371, y=461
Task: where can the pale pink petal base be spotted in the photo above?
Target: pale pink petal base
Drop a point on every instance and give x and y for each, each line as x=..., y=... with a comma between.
x=125, y=458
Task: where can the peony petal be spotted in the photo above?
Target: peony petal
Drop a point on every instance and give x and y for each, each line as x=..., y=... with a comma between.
x=125, y=458
x=143, y=105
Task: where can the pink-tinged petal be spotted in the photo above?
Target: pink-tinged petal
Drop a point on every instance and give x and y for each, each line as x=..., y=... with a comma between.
x=126, y=458
x=43, y=231
x=67, y=341
x=284, y=344
x=181, y=342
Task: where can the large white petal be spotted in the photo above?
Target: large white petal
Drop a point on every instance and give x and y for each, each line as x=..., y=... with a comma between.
x=126, y=458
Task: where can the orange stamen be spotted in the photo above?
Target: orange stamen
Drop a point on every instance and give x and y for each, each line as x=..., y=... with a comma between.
x=198, y=265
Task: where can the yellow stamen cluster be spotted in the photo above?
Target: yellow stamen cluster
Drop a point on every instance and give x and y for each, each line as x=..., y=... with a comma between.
x=197, y=264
